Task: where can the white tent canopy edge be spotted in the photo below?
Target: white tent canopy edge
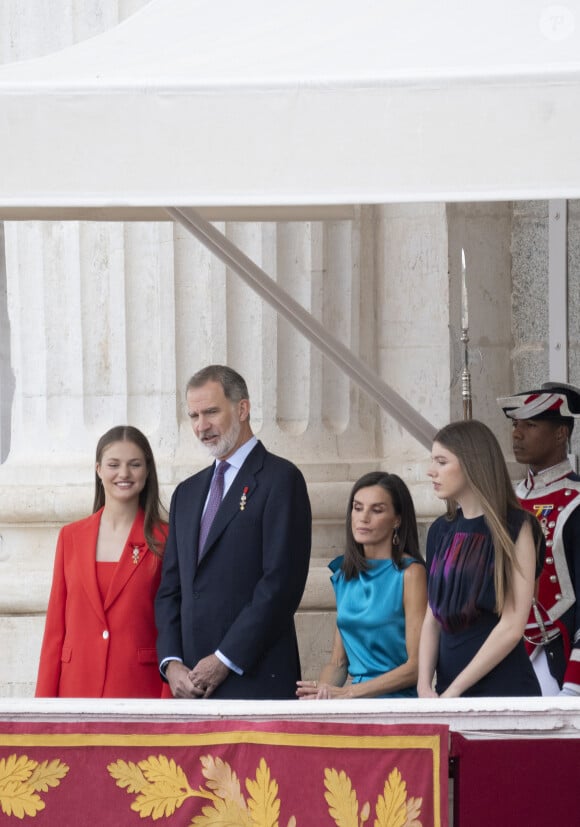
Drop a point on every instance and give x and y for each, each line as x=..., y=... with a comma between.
x=213, y=103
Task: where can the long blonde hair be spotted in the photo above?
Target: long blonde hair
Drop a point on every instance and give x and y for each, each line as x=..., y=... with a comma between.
x=482, y=462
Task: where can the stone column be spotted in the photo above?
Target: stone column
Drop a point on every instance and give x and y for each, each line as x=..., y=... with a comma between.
x=530, y=318
x=413, y=334
x=302, y=406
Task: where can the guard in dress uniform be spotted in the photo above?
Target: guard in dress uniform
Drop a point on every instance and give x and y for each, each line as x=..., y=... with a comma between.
x=542, y=423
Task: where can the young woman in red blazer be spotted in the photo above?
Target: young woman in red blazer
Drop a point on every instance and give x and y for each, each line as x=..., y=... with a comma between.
x=99, y=638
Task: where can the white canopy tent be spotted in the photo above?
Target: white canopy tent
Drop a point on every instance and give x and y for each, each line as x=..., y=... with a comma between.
x=225, y=108
x=214, y=103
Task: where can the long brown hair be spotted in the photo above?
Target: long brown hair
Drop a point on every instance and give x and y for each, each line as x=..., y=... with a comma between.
x=481, y=460
x=149, y=500
x=354, y=557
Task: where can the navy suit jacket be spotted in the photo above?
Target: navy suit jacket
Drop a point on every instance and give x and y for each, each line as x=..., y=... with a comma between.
x=242, y=596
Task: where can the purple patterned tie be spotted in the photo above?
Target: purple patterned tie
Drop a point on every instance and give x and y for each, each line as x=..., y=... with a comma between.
x=216, y=493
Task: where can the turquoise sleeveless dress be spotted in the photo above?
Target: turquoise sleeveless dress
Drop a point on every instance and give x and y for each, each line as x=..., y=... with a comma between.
x=371, y=620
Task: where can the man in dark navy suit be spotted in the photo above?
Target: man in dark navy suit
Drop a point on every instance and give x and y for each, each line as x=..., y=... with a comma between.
x=231, y=584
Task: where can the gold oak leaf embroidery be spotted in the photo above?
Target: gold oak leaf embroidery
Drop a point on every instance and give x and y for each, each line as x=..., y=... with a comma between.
x=224, y=813
x=162, y=787
x=264, y=804
x=341, y=799
x=128, y=775
x=392, y=806
x=392, y=809
x=413, y=812
x=21, y=779
x=229, y=806
x=222, y=780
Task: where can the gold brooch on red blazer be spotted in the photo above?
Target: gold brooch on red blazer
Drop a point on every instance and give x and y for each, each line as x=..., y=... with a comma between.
x=136, y=552
x=244, y=498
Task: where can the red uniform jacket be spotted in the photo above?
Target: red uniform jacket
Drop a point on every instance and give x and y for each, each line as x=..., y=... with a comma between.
x=96, y=650
x=554, y=497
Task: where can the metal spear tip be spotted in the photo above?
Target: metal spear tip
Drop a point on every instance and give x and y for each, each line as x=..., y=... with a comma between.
x=464, y=311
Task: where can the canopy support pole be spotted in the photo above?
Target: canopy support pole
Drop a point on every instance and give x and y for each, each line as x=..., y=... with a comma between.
x=388, y=399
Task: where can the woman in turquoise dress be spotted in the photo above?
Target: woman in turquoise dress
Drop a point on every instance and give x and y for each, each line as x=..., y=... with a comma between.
x=381, y=595
x=483, y=558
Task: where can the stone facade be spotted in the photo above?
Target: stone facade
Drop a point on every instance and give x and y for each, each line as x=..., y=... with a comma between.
x=102, y=324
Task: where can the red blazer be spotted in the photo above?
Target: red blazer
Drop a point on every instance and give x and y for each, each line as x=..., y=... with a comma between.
x=96, y=650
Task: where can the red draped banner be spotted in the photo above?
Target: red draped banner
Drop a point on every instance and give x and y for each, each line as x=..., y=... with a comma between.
x=226, y=773
x=531, y=781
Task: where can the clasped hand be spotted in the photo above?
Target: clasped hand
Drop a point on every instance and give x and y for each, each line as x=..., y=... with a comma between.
x=199, y=682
